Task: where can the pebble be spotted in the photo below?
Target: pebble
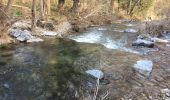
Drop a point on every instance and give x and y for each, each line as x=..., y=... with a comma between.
x=6, y=85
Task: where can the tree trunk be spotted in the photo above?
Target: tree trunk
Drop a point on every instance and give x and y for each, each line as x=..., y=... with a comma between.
x=23, y=1
x=129, y=7
x=132, y=7
x=42, y=9
x=61, y=5
x=75, y=5
x=33, y=12
x=45, y=9
x=48, y=7
x=9, y=5
x=112, y=6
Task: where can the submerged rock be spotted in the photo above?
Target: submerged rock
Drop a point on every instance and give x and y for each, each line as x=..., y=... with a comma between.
x=95, y=73
x=144, y=67
x=130, y=30
x=142, y=42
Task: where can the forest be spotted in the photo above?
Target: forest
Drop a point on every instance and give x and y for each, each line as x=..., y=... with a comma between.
x=84, y=49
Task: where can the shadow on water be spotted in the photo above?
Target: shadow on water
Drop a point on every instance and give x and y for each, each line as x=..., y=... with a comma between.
x=61, y=78
x=42, y=71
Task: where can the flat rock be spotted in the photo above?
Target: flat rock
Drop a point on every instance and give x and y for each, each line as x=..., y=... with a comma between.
x=24, y=35
x=130, y=30
x=144, y=67
x=95, y=73
x=102, y=29
x=142, y=42
x=35, y=40
x=20, y=39
x=158, y=40
x=49, y=33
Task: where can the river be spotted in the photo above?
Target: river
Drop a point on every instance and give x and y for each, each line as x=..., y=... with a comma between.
x=55, y=69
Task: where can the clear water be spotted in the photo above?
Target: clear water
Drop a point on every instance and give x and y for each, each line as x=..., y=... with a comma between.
x=55, y=69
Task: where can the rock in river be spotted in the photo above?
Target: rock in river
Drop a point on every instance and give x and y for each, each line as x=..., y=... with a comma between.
x=130, y=30
x=95, y=73
x=144, y=67
x=142, y=42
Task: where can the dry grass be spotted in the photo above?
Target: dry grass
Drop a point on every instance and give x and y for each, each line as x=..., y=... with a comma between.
x=156, y=28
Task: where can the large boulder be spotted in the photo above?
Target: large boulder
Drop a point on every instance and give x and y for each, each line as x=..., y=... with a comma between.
x=143, y=42
x=143, y=67
x=24, y=35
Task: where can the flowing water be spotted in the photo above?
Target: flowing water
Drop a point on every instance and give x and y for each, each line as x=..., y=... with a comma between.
x=55, y=69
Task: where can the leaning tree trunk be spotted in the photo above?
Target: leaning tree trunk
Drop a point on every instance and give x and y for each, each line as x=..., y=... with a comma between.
x=33, y=12
x=75, y=5
x=9, y=5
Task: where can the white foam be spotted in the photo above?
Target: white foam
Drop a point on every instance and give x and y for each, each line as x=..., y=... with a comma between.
x=91, y=37
x=107, y=41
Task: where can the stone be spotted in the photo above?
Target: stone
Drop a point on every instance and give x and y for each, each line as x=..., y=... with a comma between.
x=144, y=67
x=24, y=35
x=164, y=91
x=95, y=73
x=130, y=25
x=6, y=85
x=35, y=40
x=21, y=35
x=20, y=39
x=49, y=33
x=158, y=40
x=168, y=45
x=142, y=42
x=102, y=29
x=130, y=30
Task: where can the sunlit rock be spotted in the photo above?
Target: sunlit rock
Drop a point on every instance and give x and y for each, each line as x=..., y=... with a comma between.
x=24, y=35
x=144, y=67
x=158, y=40
x=49, y=33
x=102, y=29
x=142, y=42
x=130, y=30
x=6, y=85
x=35, y=40
x=95, y=73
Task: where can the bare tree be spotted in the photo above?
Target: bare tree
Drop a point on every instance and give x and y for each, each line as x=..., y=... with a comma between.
x=45, y=9
x=9, y=5
x=33, y=12
x=112, y=5
x=42, y=9
x=48, y=7
x=75, y=5
x=61, y=5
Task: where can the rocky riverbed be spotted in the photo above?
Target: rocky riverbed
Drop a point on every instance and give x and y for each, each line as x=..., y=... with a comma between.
x=99, y=60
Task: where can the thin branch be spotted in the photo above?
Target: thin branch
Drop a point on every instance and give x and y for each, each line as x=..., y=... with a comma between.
x=4, y=14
